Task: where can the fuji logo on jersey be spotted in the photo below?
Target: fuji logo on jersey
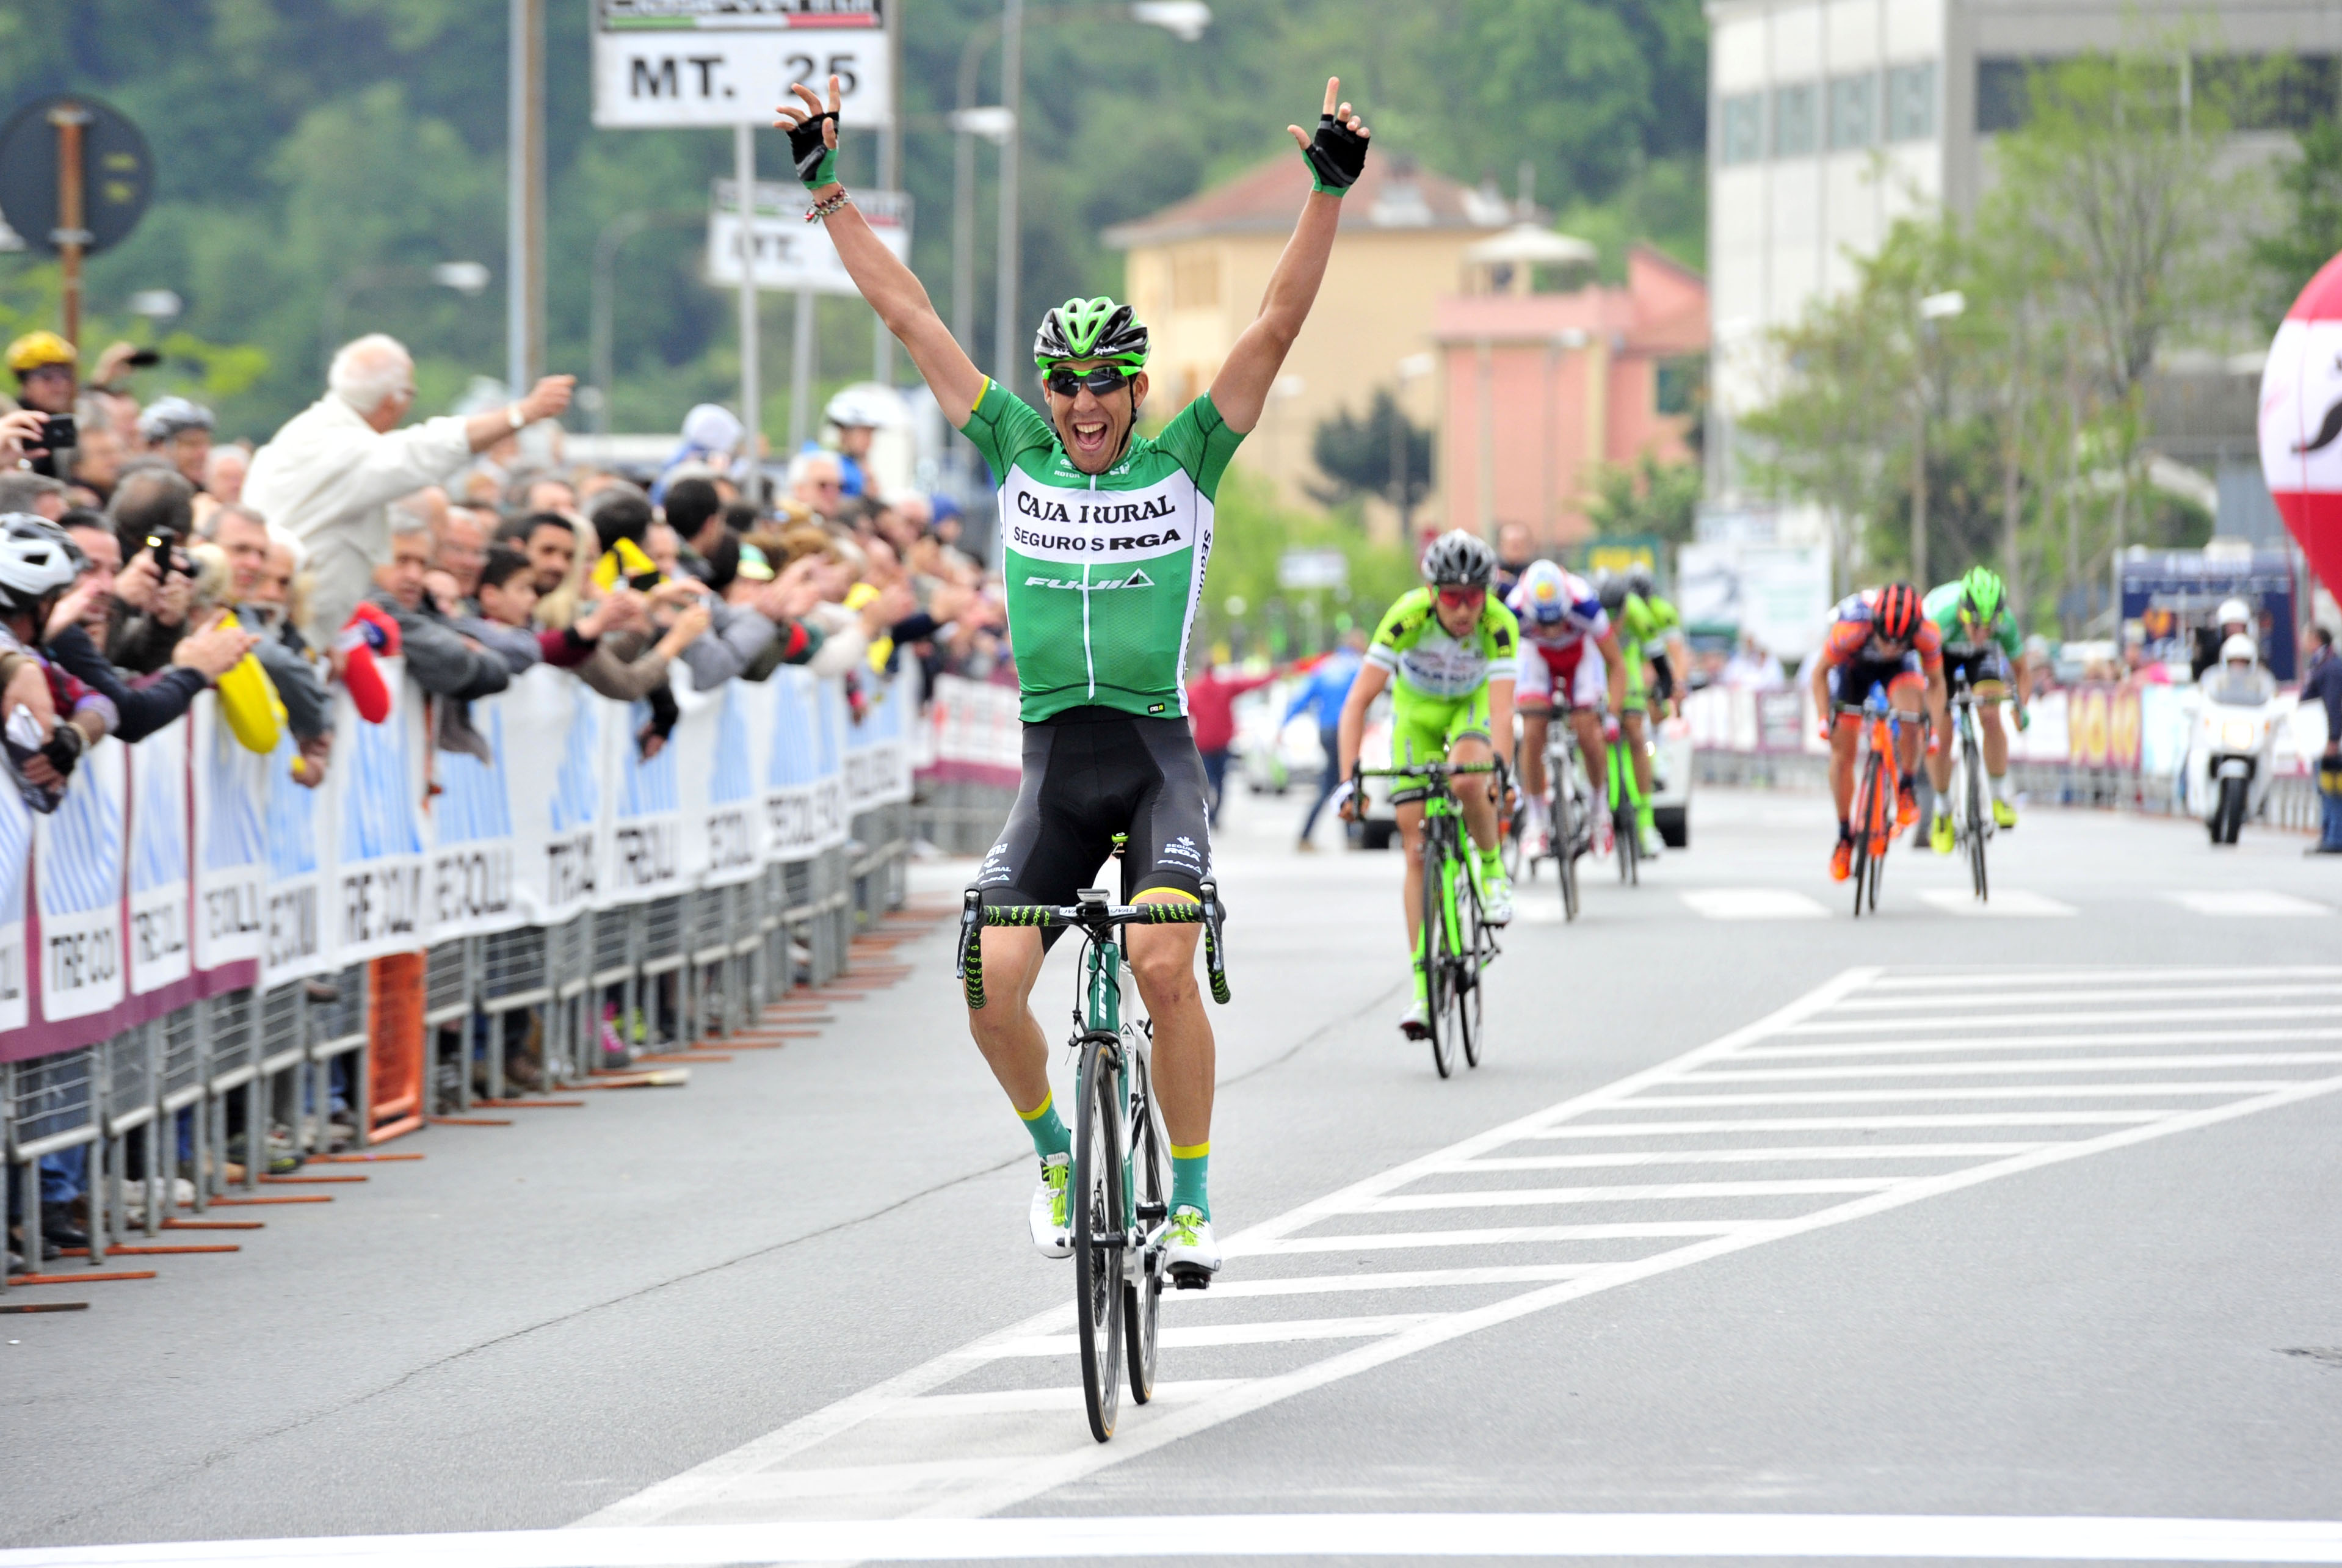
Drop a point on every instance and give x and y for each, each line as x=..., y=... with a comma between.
x=1137, y=578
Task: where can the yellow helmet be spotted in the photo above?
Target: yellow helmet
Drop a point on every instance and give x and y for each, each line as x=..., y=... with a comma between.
x=34, y=349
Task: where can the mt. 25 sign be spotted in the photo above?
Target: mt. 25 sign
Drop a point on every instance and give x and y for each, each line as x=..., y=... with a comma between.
x=666, y=64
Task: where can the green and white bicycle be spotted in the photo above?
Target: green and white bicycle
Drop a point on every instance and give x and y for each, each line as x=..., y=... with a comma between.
x=1118, y=1193
x=1455, y=944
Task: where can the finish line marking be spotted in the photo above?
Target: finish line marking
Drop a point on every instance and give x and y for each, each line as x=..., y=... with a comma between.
x=1832, y=1536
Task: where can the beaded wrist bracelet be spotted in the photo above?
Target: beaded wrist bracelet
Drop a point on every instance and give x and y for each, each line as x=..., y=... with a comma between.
x=826, y=205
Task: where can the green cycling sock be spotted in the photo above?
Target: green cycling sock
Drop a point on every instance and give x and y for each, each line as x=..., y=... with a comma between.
x=1644, y=814
x=1189, y=1164
x=1492, y=866
x=1048, y=1130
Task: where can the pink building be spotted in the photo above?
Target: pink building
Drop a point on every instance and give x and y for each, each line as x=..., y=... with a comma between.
x=1540, y=389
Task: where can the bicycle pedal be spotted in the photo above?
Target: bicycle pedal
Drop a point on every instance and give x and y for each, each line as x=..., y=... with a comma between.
x=1153, y=1210
x=1190, y=1277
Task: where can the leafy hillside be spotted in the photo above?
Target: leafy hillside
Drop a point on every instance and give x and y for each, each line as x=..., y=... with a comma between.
x=304, y=144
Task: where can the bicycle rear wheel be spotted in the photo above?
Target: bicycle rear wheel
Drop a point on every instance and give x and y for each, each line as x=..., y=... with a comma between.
x=1142, y=1298
x=1096, y=1196
x=1865, y=818
x=1559, y=770
x=1438, y=975
x=1973, y=764
x=1472, y=968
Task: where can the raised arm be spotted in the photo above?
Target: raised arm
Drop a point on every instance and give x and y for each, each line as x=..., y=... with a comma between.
x=892, y=288
x=1335, y=157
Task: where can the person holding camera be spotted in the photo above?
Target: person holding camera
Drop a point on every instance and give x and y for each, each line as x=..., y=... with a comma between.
x=152, y=515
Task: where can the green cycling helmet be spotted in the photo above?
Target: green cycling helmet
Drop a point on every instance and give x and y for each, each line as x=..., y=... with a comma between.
x=1091, y=329
x=1984, y=594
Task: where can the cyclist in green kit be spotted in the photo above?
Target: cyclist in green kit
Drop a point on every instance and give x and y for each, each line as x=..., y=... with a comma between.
x=1104, y=537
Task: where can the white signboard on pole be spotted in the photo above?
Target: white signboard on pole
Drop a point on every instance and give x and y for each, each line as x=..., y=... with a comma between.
x=788, y=253
x=678, y=63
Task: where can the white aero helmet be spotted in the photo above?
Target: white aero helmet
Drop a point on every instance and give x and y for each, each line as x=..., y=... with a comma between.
x=37, y=558
x=2234, y=612
x=2240, y=647
x=865, y=406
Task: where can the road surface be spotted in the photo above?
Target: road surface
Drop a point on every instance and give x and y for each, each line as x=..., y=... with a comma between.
x=2019, y=1219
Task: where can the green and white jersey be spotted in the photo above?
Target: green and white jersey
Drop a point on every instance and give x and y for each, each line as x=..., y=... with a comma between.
x=1412, y=644
x=1962, y=636
x=1102, y=572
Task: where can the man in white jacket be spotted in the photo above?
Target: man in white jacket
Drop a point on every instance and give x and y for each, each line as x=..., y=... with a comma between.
x=327, y=476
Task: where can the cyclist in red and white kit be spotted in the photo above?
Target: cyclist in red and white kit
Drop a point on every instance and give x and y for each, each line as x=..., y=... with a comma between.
x=1878, y=637
x=1577, y=663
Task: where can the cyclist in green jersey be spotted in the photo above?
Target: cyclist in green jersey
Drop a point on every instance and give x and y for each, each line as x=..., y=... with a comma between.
x=1105, y=535
x=1650, y=632
x=1983, y=651
x=1449, y=652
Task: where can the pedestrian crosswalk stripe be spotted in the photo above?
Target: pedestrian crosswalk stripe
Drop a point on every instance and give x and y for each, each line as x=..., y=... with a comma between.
x=2055, y=981
x=2071, y=1095
x=1910, y=1047
x=1004, y=1401
x=2013, y=903
x=2073, y=997
x=2244, y=902
x=1753, y=904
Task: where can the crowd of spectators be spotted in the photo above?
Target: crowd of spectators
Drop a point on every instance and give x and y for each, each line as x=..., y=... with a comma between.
x=150, y=558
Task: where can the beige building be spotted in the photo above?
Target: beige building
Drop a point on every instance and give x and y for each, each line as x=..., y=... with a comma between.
x=1196, y=272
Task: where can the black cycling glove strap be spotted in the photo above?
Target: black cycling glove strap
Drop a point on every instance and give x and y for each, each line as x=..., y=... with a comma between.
x=1336, y=157
x=816, y=161
x=66, y=745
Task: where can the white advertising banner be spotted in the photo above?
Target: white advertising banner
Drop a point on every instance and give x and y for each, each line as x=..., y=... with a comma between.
x=803, y=807
x=1779, y=592
x=375, y=905
x=230, y=786
x=15, y=864
x=645, y=855
x=159, y=940
x=78, y=855
x=724, y=829
x=293, y=938
x=468, y=889
x=559, y=828
x=670, y=64
x=878, y=754
x=785, y=252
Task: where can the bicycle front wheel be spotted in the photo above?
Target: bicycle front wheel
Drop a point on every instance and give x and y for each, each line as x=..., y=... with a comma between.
x=1477, y=947
x=1558, y=771
x=1440, y=864
x=1973, y=763
x=1096, y=1195
x=1142, y=1291
x=1866, y=813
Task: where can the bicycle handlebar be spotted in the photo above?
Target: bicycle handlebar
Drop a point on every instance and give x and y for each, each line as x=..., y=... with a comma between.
x=1426, y=770
x=1097, y=919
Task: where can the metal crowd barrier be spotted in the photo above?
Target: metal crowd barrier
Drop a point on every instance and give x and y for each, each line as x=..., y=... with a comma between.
x=175, y=1088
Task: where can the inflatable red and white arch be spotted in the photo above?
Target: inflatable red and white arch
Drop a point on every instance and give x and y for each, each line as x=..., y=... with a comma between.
x=2301, y=422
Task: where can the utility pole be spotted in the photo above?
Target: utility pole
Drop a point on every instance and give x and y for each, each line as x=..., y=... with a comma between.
x=525, y=194
x=744, y=179
x=1012, y=98
x=72, y=236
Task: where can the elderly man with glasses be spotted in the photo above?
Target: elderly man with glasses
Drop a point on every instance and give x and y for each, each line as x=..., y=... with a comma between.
x=329, y=476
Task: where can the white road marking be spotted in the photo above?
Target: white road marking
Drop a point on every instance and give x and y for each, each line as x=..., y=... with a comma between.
x=1787, y=1151
x=2134, y=980
x=1753, y=904
x=1060, y=1400
x=1283, y=1331
x=1396, y=1279
x=1507, y=1235
x=2080, y=997
x=1654, y=1192
x=2014, y=903
x=2021, y=1065
x=2033, y=1041
x=1854, y=1123
x=2248, y=902
x=1097, y=1538
x=1984, y=1021
x=2024, y=1091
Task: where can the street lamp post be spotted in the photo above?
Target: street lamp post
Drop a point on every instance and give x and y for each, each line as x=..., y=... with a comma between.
x=469, y=278
x=1935, y=308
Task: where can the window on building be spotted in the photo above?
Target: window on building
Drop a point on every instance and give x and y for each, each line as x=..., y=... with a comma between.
x=2268, y=93
x=1793, y=121
x=1194, y=280
x=1744, y=128
x=1680, y=383
x=1911, y=103
x=1853, y=111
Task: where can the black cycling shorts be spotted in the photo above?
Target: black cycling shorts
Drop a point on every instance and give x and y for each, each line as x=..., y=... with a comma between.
x=1852, y=681
x=1964, y=668
x=1091, y=773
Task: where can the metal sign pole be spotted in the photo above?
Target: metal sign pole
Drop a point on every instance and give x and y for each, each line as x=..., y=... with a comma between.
x=803, y=341
x=890, y=177
x=72, y=233
x=744, y=179
x=1011, y=96
x=524, y=197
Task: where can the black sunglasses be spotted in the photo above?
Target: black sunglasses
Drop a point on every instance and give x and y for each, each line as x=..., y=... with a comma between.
x=1100, y=381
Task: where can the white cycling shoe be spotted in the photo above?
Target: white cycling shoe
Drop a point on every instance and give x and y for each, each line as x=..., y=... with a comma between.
x=1049, y=1215
x=1191, y=1254
x=1649, y=842
x=1414, y=1022
x=1496, y=905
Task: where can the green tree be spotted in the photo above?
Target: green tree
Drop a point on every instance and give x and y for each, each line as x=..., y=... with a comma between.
x=1646, y=497
x=2311, y=231
x=1357, y=454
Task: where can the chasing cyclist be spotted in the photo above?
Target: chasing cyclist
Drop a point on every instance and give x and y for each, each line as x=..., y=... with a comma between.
x=1983, y=652
x=1881, y=637
x=1650, y=631
x=1570, y=660
x=1105, y=534
x=1451, y=648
